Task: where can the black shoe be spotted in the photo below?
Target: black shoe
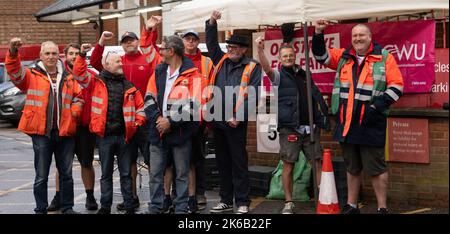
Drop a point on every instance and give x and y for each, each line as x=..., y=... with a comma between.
x=167, y=205
x=383, y=211
x=91, y=204
x=192, y=205
x=40, y=212
x=348, y=209
x=104, y=210
x=70, y=211
x=130, y=211
x=54, y=205
x=136, y=204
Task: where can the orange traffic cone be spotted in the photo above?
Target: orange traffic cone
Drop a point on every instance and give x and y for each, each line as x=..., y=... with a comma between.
x=328, y=200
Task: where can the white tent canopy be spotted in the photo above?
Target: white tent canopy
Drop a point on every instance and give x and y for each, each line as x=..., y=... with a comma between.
x=249, y=14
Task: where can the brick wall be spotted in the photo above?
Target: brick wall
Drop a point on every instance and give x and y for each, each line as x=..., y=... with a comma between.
x=18, y=21
x=420, y=184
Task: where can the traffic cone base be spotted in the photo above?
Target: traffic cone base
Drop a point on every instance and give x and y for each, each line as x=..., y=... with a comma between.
x=328, y=202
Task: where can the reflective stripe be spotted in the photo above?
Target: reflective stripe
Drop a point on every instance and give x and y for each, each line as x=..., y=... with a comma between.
x=366, y=87
x=33, y=103
x=67, y=106
x=97, y=100
x=392, y=94
x=96, y=110
x=323, y=57
x=400, y=88
x=344, y=95
x=152, y=56
x=129, y=118
x=377, y=93
x=149, y=103
x=142, y=115
x=345, y=84
x=129, y=109
x=145, y=50
x=20, y=73
x=67, y=96
x=363, y=98
x=35, y=92
x=336, y=90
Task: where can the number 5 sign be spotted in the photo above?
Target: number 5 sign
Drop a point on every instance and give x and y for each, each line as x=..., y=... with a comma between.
x=266, y=134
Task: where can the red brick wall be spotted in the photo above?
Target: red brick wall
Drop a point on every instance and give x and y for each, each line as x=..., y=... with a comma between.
x=420, y=184
x=18, y=21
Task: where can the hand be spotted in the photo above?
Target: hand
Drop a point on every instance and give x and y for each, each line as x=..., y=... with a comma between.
x=233, y=122
x=14, y=45
x=86, y=47
x=163, y=125
x=106, y=35
x=215, y=16
x=153, y=21
x=320, y=25
x=260, y=42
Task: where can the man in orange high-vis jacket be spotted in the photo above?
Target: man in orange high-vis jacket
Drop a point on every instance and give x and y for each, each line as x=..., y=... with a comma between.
x=367, y=82
x=232, y=69
x=197, y=198
x=139, y=62
x=52, y=108
x=172, y=104
x=116, y=114
x=84, y=140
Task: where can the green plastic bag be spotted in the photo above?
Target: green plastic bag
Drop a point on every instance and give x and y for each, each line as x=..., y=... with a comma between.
x=301, y=174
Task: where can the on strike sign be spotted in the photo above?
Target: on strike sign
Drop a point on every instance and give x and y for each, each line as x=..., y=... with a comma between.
x=410, y=42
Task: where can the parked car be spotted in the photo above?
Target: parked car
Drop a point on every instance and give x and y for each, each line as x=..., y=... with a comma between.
x=12, y=99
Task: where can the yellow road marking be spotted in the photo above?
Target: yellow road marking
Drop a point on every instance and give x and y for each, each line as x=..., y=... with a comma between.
x=417, y=211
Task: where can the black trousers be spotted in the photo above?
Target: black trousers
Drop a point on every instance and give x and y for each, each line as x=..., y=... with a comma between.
x=232, y=161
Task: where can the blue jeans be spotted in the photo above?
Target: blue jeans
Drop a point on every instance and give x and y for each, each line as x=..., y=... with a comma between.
x=44, y=148
x=158, y=161
x=108, y=147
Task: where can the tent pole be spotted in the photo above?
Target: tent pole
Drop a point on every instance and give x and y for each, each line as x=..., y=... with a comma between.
x=310, y=106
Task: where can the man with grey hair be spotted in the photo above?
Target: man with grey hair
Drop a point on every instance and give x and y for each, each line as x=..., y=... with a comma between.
x=52, y=108
x=173, y=89
x=116, y=114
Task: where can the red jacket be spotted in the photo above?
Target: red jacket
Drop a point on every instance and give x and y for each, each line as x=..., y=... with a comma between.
x=87, y=97
x=133, y=104
x=139, y=67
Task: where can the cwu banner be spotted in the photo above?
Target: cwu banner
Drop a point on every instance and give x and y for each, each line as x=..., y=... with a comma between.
x=412, y=43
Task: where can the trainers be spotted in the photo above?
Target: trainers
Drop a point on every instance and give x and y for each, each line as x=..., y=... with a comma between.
x=70, y=211
x=221, y=207
x=104, y=210
x=288, y=208
x=91, y=203
x=242, y=210
x=201, y=202
x=136, y=204
x=382, y=211
x=192, y=205
x=348, y=209
x=167, y=205
x=54, y=205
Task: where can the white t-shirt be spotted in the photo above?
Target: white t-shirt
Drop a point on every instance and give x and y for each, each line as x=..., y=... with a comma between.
x=170, y=79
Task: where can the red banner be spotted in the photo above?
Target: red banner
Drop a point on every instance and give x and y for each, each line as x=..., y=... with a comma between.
x=411, y=42
x=440, y=87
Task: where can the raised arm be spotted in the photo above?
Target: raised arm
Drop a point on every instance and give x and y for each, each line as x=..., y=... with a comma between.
x=212, y=42
x=263, y=59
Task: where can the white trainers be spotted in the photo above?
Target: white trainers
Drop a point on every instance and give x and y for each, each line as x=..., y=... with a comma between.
x=221, y=207
x=288, y=208
x=242, y=210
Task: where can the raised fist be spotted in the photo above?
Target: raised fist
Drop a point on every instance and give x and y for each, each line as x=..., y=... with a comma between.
x=14, y=45
x=153, y=21
x=260, y=42
x=215, y=15
x=86, y=47
x=320, y=25
x=106, y=35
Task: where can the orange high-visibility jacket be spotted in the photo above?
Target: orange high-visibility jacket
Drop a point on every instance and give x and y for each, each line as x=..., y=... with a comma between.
x=186, y=89
x=133, y=104
x=37, y=112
